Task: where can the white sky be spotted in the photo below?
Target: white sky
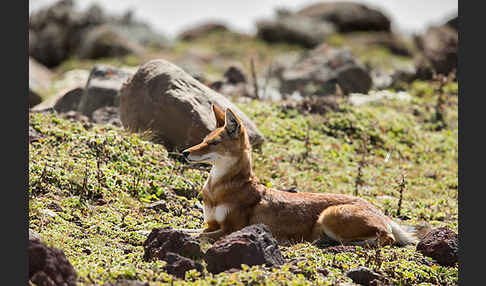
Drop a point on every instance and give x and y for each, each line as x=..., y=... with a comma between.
x=171, y=17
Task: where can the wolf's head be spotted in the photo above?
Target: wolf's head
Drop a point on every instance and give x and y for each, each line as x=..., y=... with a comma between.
x=228, y=141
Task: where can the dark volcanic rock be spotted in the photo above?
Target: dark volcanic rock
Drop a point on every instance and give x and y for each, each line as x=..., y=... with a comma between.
x=442, y=245
x=364, y=276
x=234, y=75
x=49, y=266
x=178, y=265
x=161, y=241
x=234, y=83
x=253, y=245
x=348, y=16
x=102, y=89
x=175, y=107
x=318, y=71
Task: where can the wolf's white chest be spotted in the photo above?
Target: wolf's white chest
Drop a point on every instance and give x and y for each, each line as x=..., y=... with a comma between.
x=217, y=213
x=221, y=167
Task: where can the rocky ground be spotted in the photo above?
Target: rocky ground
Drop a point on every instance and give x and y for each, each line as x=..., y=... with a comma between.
x=334, y=104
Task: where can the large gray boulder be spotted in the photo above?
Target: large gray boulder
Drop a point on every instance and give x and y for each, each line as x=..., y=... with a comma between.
x=175, y=107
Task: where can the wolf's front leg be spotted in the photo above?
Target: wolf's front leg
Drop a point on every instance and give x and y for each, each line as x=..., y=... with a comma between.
x=212, y=226
x=213, y=232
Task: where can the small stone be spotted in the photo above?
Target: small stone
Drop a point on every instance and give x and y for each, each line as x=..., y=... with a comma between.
x=161, y=241
x=441, y=244
x=178, y=265
x=252, y=245
x=364, y=276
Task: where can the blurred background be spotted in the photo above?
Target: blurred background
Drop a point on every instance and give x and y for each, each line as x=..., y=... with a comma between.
x=273, y=48
x=408, y=16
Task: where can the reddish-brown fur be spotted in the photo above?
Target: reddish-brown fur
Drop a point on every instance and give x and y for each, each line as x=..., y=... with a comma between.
x=291, y=217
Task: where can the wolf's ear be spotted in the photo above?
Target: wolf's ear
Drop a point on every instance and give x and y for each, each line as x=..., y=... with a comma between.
x=232, y=123
x=219, y=114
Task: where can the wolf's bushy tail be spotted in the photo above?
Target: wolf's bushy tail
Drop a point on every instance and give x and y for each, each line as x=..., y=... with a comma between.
x=405, y=234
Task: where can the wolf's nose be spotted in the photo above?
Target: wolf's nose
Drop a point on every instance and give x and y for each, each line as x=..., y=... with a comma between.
x=185, y=153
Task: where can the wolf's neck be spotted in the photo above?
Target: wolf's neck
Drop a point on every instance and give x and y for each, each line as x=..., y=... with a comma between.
x=231, y=170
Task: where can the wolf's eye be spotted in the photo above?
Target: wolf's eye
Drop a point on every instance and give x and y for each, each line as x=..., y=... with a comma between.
x=213, y=142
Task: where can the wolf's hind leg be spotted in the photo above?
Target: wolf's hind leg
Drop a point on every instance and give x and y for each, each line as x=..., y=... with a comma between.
x=354, y=224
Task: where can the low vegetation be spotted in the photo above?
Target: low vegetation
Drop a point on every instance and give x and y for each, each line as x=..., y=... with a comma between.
x=90, y=187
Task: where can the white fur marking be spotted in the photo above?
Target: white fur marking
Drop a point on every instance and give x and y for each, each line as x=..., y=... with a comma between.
x=209, y=157
x=331, y=234
x=217, y=213
x=221, y=167
x=221, y=212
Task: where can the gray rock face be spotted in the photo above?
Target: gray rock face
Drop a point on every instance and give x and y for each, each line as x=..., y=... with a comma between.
x=174, y=106
x=202, y=30
x=304, y=31
x=102, y=89
x=108, y=41
x=59, y=31
x=56, y=31
x=69, y=101
x=318, y=71
x=348, y=16
x=252, y=245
